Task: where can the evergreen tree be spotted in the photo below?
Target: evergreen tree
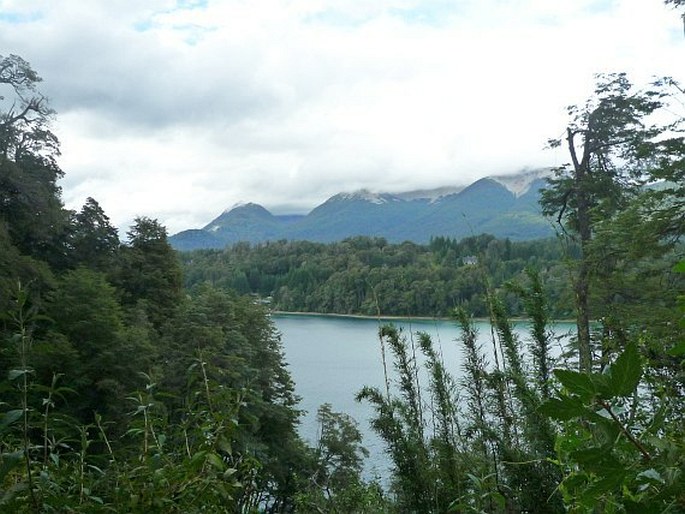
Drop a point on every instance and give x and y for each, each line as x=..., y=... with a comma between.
x=148, y=272
x=93, y=240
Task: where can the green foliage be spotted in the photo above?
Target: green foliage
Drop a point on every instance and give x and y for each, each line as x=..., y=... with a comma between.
x=86, y=341
x=238, y=349
x=93, y=239
x=620, y=447
x=486, y=450
x=620, y=140
x=148, y=273
x=215, y=431
x=30, y=205
x=364, y=275
x=335, y=484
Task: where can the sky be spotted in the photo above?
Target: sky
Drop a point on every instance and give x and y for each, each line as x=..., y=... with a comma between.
x=180, y=109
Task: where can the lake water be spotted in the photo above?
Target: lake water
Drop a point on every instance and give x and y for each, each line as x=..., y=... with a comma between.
x=332, y=357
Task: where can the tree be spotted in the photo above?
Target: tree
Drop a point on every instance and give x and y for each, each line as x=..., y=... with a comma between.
x=335, y=484
x=149, y=273
x=24, y=127
x=30, y=200
x=87, y=341
x=238, y=349
x=93, y=239
x=615, y=147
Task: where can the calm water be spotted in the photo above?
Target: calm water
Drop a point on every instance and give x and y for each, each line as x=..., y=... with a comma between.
x=331, y=358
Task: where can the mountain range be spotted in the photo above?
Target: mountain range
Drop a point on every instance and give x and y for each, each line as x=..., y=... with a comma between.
x=504, y=206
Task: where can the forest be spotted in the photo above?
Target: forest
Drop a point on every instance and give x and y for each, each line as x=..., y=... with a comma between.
x=366, y=276
x=135, y=379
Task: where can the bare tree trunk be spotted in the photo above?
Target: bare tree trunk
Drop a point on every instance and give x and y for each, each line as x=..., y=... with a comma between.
x=583, y=314
x=582, y=285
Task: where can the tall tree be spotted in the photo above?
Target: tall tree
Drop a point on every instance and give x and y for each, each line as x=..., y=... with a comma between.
x=25, y=125
x=94, y=240
x=614, y=147
x=30, y=200
x=149, y=273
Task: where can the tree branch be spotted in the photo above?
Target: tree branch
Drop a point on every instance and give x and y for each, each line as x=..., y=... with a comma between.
x=625, y=431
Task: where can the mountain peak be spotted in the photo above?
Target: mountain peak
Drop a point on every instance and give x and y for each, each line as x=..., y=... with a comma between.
x=519, y=184
x=242, y=205
x=239, y=211
x=363, y=195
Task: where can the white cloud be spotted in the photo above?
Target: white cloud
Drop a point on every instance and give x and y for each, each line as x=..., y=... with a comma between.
x=179, y=109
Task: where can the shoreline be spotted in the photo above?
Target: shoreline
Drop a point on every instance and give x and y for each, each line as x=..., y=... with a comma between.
x=397, y=318
x=361, y=316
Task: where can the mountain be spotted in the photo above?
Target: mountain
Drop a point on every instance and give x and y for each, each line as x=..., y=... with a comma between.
x=504, y=206
x=246, y=222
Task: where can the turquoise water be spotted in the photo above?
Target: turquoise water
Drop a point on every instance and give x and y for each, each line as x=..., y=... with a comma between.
x=331, y=358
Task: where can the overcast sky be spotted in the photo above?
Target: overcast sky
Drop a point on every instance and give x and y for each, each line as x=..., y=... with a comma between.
x=178, y=109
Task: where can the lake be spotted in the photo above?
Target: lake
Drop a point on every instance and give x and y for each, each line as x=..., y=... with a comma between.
x=332, y=357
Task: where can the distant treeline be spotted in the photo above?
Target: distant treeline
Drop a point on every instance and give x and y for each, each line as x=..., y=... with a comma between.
x=368, y=276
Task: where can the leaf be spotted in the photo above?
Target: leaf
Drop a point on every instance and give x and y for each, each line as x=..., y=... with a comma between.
x=575, y=482
x=198, y=459
x=577, y=383
x=224, y=445
x=95, y=468
x=607, y=483
x=625, y=373
x=563, y=408
x=651, y=475
x=600, y=461
x=633, y=507
x=604, y=430
x=10, y=417
x=16, y=373
x=215, y=461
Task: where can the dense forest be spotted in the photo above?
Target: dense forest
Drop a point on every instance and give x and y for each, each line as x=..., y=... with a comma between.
x=369, y=276
x=123, y=391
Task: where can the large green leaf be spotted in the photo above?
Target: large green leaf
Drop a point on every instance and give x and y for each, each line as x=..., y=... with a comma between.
x=580, y=384
x=625, y=373
x=563, y=408
x=10, y=417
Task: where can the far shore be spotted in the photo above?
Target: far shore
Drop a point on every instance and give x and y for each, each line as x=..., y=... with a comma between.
x=398, y=318
x=364, y=316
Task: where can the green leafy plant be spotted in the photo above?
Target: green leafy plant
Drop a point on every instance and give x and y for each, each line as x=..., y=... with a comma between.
x=620, y=448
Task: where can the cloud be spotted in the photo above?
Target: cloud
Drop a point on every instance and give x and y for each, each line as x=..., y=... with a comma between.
x=178, y=109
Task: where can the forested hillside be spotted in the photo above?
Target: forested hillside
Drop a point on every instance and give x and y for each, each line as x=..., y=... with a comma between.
x=370, y=276
x=123, y=391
